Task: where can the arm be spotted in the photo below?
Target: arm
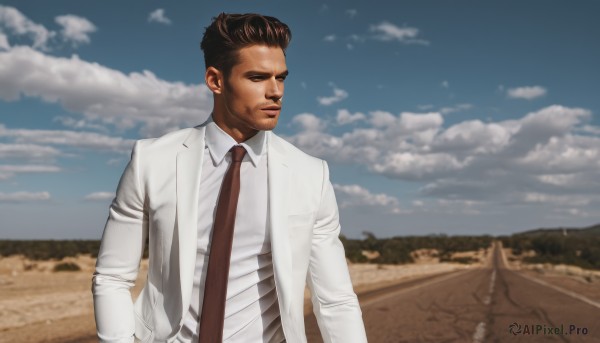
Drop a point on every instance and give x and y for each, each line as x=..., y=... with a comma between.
x=119, y=258
x=334, y=301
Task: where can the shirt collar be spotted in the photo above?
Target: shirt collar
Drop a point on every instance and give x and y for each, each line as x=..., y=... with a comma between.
x=219, y=143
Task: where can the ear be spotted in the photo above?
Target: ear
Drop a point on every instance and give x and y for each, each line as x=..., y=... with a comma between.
x=214, y=80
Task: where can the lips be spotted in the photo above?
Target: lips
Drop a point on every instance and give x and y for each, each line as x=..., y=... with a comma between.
x=272, y=111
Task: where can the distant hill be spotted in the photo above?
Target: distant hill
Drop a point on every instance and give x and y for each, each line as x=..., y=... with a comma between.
x=570, y=231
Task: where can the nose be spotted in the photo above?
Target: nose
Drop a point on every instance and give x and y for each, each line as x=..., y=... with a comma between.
x=275, y=89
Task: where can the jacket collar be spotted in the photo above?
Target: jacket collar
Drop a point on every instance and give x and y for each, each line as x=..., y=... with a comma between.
x=219, y=143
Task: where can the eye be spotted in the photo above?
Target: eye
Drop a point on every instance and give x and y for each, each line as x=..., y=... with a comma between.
x=257, y=78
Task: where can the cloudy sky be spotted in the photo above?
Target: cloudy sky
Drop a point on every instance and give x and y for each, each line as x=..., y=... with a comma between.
x=453, y=117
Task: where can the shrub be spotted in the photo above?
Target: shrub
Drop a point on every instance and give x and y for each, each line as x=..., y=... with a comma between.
x=464, y=260
x=66, y=267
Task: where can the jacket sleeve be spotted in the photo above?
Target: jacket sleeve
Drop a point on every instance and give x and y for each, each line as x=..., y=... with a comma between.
x=119, y=257
x=334, y=302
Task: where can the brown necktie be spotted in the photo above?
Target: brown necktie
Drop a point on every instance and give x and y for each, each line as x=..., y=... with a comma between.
x=217, y=274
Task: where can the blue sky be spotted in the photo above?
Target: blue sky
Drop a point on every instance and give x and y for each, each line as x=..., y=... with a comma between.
x=453, y=117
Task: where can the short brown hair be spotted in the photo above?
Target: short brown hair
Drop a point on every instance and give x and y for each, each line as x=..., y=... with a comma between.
x=228, y=33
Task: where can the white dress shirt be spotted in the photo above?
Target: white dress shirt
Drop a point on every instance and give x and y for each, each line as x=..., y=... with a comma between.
x=251, y=309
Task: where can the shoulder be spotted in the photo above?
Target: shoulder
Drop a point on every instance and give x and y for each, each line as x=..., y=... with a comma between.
x=174, y=137
x=168, y=141
x=162, y=152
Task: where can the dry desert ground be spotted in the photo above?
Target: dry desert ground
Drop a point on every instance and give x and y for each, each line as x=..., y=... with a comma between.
x=38, y=304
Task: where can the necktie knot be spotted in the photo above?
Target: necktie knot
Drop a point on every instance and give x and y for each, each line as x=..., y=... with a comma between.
x=237, y=153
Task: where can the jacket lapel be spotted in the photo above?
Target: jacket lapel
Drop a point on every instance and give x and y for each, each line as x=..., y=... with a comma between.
x=189, y=165
x=278, y=176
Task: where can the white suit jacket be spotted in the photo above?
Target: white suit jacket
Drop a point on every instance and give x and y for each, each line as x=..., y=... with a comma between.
x=157, y=198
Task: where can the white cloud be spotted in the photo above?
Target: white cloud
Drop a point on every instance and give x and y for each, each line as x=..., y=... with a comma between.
x=30, y=168
x=527, y=93
x=377, y=147
x=420, y=121
x=594, y=130
x=386, y=31
x=575, y=212
x=75, y=29
x=329, y=38
x=563, y=200
x=355, y=195
x=345, y=117
x=309, y=122
x=24, y=196
x=445, y=84
x=158, y=16
x=19, y=24
x=558, y=179
x=99, y=196
x=7, y=171
x=382, y=118
x=28, y=151
x=474, y=136
x=418, y=203
x=4, y=44
x=536, y=129
x=568, y=155
x=102, y=94
x=36, y=147
x=77, y=139
x=79, y=124
x=338, y=95
x=413, y=166
x=547, y=152
x=455, y=108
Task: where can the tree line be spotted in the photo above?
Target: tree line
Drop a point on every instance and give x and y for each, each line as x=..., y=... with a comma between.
x=582, y=251
x=554, y=248
x=393, y=250
x=51, y=249
x=397, y=250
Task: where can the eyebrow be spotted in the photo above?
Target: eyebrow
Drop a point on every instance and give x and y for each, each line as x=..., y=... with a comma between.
x=262, y=73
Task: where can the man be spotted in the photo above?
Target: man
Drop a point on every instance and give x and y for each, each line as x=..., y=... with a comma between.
x=281, y=214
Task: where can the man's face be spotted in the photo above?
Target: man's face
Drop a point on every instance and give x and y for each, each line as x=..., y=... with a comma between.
x=253, y=90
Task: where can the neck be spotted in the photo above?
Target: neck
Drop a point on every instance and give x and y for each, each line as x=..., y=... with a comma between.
x=233, y=130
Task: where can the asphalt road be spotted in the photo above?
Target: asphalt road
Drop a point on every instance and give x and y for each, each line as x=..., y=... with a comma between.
x=488, y=304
